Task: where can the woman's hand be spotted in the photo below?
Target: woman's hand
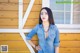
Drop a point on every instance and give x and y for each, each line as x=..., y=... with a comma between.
x=38, y=47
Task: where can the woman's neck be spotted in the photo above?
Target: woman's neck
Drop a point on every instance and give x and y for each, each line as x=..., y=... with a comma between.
x=46, y=24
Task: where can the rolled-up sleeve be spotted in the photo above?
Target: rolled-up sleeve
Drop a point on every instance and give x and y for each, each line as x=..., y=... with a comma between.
x=57, y=38
x=32, y=33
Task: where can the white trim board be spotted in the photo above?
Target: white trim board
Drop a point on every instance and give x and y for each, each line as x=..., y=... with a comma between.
x=28, y=30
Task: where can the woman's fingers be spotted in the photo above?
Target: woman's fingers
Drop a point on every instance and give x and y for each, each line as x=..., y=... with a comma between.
x=38, y=47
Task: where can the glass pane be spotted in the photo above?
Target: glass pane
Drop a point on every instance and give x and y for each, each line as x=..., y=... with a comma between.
x=76, y=6
x=68, y=7
x=58, y=17
x=56, y=6
x=76, y=18
x=67, y=17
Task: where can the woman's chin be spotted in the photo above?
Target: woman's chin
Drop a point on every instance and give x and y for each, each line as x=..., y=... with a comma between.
x=44, y=20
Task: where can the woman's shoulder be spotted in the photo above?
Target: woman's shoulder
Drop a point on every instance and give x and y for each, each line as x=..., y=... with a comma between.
x=37, y=25
x=54, y=26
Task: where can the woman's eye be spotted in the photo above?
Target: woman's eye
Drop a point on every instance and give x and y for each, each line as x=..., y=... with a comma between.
x=45, y=13
x=41, y=13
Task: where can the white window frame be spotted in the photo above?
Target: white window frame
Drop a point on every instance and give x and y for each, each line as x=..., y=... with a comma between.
x=65, y=28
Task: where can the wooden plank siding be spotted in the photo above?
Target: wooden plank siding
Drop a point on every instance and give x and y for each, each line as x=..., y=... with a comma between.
x=69, y=42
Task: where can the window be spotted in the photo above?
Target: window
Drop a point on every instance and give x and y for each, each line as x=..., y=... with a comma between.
x=66, y=14
x=62, y=11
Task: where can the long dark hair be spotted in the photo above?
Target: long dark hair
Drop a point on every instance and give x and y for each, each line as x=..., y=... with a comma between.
x=51, y=20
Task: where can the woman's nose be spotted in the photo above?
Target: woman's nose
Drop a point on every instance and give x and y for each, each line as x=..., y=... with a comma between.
x=43, y=15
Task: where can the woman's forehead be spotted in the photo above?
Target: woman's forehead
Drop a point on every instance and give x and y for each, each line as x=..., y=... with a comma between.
x=44, y=10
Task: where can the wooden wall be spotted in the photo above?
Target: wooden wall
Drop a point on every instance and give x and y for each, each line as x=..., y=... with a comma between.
x=69, y=42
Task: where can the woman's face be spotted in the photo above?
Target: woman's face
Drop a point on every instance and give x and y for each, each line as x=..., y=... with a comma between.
x=44, y=15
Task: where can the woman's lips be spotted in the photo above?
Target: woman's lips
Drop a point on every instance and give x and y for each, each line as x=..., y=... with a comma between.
x=43, y=18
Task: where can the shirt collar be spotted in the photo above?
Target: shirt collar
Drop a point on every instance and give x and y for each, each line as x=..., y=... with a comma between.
x=51, y=26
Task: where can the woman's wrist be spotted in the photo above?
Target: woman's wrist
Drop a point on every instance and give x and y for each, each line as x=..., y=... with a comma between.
x=34, y=46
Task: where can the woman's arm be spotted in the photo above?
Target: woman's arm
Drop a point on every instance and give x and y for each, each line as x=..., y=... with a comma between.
x=30, y=35
x=57, y=41
x=33, y=45
x=56, y=49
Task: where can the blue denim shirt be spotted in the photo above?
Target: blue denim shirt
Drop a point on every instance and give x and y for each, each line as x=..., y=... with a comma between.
x=47, y=44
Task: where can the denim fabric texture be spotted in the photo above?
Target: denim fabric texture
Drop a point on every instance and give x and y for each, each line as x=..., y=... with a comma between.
x=47, y=44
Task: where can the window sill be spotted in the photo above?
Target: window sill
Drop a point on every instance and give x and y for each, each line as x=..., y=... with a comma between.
x=69, y=28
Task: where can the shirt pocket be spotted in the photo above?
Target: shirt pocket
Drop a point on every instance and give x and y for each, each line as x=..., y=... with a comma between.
x=52, y=35
x=40, y=35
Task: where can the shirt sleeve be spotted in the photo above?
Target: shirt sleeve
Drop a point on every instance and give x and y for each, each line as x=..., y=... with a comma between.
x=57, y=38
x=32, y=33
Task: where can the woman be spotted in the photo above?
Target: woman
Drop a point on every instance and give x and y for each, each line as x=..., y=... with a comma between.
x=47, y=33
